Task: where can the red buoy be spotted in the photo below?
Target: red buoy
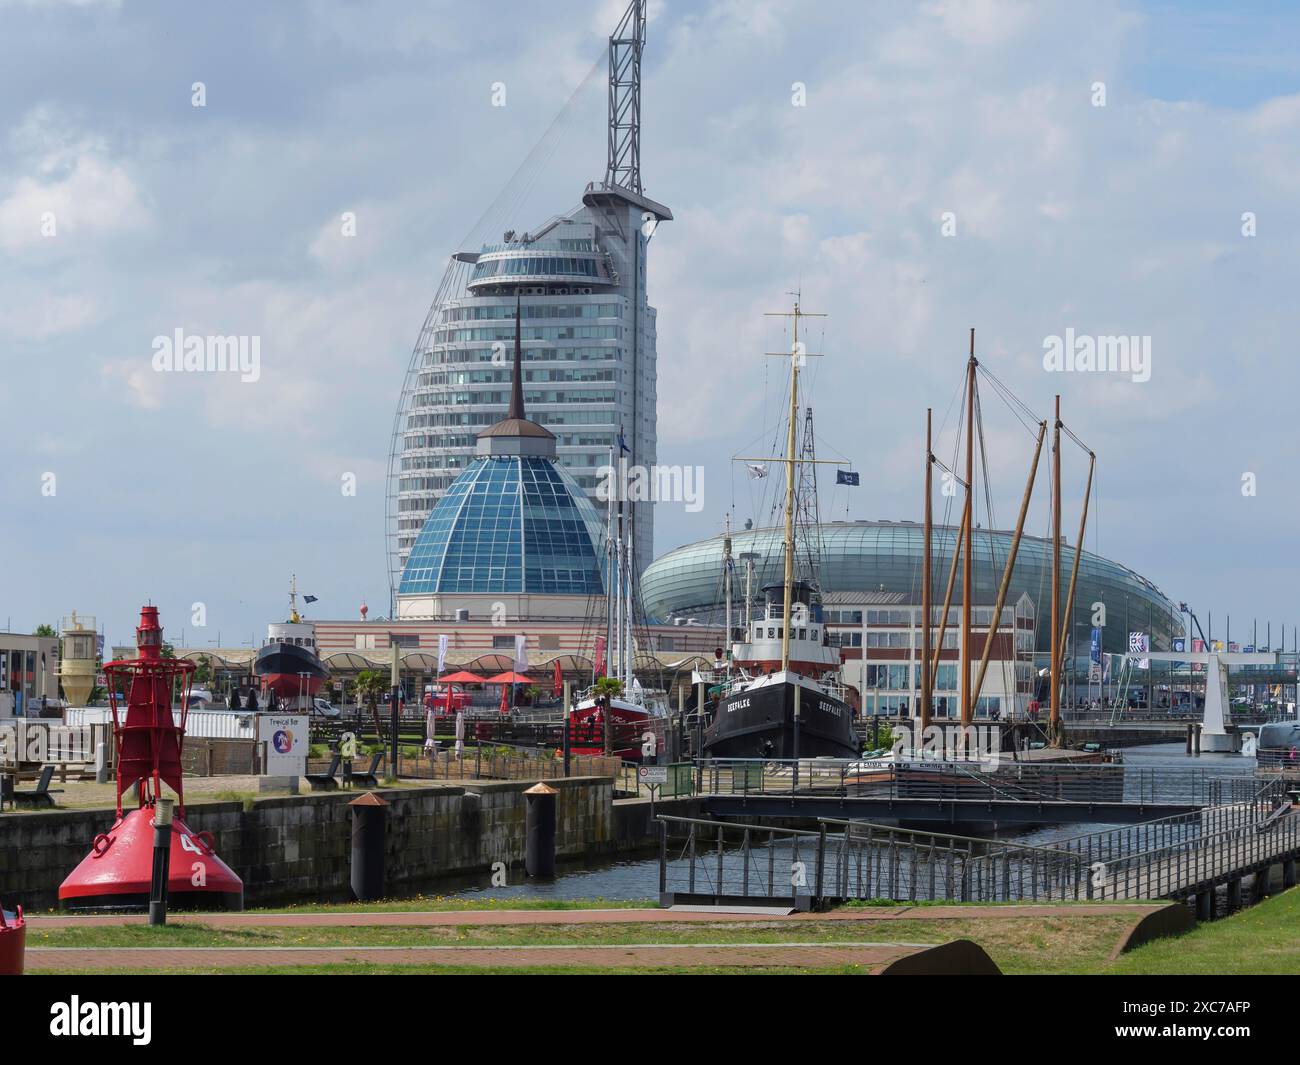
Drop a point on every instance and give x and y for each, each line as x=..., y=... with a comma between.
x=116, y=874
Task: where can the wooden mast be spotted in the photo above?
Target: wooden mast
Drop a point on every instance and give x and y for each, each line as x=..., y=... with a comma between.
x=789, y=497
x=970, y=539
x=926, y=687
x=1010, y=565
x=1054, y=729
x=1074, y=567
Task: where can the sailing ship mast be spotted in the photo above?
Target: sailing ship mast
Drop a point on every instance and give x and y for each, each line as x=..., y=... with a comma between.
x=797, y=355
x=968, y=521
x=727, y=568
x=926, y=611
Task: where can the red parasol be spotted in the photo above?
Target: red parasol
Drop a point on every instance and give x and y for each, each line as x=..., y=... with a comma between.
x=505, y=699
x=463, y=677
x=510, y=677
x=557, y=688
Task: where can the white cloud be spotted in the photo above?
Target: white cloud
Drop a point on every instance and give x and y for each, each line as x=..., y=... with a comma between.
x=32, y=315
x=63, y=187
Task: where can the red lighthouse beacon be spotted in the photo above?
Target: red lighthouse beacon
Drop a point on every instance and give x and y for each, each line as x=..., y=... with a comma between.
x=116, y=874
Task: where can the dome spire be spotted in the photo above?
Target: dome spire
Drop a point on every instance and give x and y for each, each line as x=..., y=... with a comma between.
x=517, y=391
x=516, y=434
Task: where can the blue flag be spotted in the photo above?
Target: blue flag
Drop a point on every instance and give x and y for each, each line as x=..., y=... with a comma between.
x=309, y=599
x=846, y=477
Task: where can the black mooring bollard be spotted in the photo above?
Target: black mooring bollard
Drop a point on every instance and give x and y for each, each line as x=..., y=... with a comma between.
x=369, y=814
x=539, y=826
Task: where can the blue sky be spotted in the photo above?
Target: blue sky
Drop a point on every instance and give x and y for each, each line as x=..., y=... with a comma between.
x=1123, y=219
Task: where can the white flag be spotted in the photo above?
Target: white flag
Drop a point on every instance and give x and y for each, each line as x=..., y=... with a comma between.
x=756, y=470
x=442, y=654
x=521, y=654
x=1140, y=641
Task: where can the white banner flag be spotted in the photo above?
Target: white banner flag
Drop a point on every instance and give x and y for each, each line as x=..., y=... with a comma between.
x=1140, y=641
x=521, y=654
x=442, y=654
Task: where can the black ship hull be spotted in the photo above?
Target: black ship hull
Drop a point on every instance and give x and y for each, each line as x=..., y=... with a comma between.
x=292, y=672
x=759, y=722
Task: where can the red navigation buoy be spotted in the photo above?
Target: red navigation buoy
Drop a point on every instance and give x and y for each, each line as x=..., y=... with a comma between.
x=116, y=873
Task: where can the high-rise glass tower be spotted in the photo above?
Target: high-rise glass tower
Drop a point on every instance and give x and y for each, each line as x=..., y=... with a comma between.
x=588, y=335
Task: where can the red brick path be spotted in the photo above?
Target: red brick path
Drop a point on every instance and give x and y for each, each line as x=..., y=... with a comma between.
x=443, y=918
x=775, y=955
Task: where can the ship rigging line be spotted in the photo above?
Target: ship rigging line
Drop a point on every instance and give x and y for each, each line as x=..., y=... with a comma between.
x=1022, y=411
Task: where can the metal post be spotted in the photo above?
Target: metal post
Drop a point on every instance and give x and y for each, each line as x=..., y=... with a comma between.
x=567, y=741
x=819, y=902
x=539, y=830
x=699, y=737
x=663, y=861
x=394, y=716
x=162, y=851
x=369, y=817
x=798, y=688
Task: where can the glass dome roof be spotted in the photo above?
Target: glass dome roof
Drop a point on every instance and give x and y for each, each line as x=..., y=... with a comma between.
x=509, y=524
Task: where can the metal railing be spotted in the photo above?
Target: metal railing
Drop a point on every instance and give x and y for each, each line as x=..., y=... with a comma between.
x=976, y=780
x=720, y=861
x=1167, y=858
x=1189, y=865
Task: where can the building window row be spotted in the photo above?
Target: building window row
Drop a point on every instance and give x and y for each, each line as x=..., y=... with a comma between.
x=489, y=311
x=526, y=266
x=530, y=332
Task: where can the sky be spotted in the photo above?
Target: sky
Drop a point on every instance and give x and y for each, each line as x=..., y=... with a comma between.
x=918, y=169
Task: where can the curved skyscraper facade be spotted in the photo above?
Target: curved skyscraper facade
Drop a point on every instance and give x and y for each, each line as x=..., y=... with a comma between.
x=588, y=335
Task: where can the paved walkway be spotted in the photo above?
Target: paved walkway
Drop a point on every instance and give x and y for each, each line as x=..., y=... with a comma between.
x=871, y=956
x=443, y=918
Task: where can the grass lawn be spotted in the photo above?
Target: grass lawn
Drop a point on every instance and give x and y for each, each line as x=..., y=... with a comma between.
x=1261, y=939
x=1029, y=945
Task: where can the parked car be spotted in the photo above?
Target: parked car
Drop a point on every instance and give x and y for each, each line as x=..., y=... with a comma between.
x=324, y=708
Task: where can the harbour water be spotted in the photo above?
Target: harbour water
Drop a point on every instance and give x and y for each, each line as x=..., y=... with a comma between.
x=638, y=877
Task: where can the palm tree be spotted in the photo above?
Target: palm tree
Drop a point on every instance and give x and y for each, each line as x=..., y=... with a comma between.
x=370, y=683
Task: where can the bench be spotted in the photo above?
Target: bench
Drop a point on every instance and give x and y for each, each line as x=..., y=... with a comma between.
x=325, y=781
x=41, y=795
x=370, y=777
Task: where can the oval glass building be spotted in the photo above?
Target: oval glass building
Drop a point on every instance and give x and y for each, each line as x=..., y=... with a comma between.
x=885, y=556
